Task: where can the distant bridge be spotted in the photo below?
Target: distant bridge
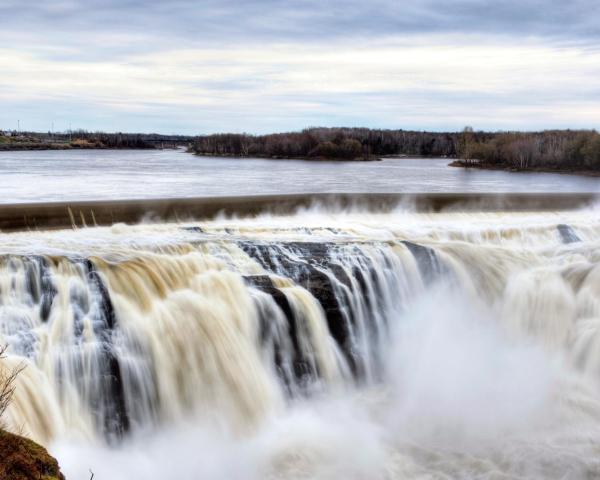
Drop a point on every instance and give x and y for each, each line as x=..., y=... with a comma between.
x=169, y=141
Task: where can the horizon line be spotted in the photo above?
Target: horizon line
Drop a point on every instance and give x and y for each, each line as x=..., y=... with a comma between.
x=447, y=131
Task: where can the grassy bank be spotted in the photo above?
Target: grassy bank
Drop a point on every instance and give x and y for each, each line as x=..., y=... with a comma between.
x=89, y=140
x=8, y=144
x=28, y=142
x=23, y=459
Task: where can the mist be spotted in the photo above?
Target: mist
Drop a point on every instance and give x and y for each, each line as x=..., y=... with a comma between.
x=454, y=384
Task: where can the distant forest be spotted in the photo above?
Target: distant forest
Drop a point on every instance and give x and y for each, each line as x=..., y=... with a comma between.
x=552, y=149
x=83, y=139
x=564, y=150
x=334, y=143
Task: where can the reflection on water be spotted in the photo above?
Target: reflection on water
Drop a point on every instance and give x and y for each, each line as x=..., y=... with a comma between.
x=110, y=174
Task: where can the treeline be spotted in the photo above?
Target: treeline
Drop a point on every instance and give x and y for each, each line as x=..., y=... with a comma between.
x=130, y=140
x=109, y=140
x=334, y=143
x=550, y=150
x=85, y=139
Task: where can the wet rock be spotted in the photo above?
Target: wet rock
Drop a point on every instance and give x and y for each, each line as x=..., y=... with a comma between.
x=428, y=262
x=47, y=289
x=116, y=419
x=32, y=285
x=306, y=263
x=567, y=234
x=193, y=229
x=300, y=364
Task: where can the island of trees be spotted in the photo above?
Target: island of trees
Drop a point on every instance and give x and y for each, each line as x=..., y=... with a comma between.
x=329, y=143
x=561, y=150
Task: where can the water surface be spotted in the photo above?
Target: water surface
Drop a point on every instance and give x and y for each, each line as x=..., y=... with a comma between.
x=39, y=176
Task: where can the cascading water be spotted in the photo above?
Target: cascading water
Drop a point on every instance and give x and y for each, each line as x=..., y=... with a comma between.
x=240, y=324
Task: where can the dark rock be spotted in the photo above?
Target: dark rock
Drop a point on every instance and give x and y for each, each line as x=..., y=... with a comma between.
x=300, y=364
x=116, y=419
x=306, y=263
x=193, y=229
x=47, y=289
x=429, y=264
x=567, y=234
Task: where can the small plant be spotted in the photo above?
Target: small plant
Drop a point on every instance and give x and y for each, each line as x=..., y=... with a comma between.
x=8, y=378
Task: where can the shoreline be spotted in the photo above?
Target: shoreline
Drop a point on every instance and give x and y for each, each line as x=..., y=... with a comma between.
x=62, y=147
x=505, y=168
x=267, y=157
x=75, y=214
x=375, y=158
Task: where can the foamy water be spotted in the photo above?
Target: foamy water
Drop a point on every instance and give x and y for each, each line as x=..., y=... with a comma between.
x=461, y=345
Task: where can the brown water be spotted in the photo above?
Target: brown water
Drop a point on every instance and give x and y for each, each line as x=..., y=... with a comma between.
x=469, y=348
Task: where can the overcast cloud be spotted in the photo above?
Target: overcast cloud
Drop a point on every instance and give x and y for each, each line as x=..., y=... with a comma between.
x=233, y=65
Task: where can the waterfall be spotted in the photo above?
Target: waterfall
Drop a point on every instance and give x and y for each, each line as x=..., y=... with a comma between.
x=126, y=328
x=155, y=336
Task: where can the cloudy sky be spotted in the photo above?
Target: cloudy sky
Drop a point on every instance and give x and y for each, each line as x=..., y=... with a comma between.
x=275, y=65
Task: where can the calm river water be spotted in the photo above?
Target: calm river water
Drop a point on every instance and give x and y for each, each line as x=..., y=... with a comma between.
x=38, y=176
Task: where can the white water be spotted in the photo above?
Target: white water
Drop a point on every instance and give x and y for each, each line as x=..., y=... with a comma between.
x=476, y=359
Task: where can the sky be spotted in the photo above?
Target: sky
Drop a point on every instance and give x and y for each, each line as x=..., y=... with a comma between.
x=259, y=66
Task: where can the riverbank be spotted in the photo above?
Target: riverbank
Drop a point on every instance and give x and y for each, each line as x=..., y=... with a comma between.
x=508, y=168
x=17, y=147
x=296, y=157
x=81, y=140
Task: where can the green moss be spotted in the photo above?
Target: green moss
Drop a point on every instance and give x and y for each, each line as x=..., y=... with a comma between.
x=23, y=459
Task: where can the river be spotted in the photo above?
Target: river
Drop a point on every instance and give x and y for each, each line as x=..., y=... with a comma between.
x=40, y=176
x=320, y=344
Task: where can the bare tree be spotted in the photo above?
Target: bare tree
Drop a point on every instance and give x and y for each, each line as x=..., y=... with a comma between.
x=551, y=149
x=8, y=378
